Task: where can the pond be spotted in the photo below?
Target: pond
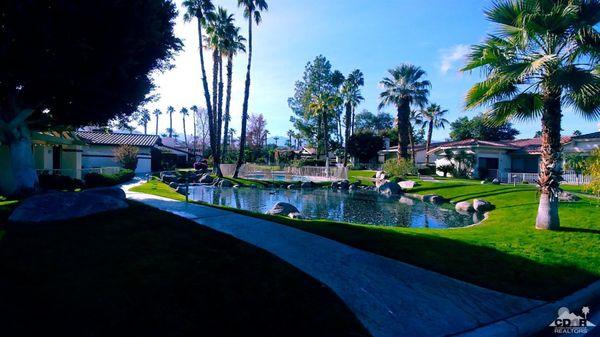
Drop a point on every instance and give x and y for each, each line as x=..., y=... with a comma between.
x=364, y=207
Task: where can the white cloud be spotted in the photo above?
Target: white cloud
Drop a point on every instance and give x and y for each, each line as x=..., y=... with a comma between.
x=451, y=56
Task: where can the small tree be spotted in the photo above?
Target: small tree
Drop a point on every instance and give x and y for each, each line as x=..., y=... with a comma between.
x=364, y=145
x=127, y=156
x=593, y=169
x=445, y=169
x=577, y=163
x=399, y=167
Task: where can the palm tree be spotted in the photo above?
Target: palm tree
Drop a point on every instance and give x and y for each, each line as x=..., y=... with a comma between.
x=252, y=10
x=321, y=105
x=290, y=134
x=413, y=119
x=402, y=89
x=544, y=56
x=157, y=113
x=203, y=10
x=235, y=45
x=432, y=118
x=352, y=98
x=184, y=113
x=194, y=110
x=144, y=118
x=276, y=141
x=170, y=111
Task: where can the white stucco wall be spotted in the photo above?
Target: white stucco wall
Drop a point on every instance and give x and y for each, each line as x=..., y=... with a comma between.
x=95, y=156
x=42, y=157
x=584, y=146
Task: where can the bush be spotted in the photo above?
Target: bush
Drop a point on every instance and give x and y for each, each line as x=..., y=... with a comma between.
x=399, y=168
x=364, y=145
x=127, y=156
x=593, y=169
x=58, y=182
x=427, y=171
x=445, y=169
x=308, y=162
x=105, y=180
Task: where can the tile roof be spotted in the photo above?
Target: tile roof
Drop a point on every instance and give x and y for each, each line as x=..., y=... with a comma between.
x=589, y=135
x=533, y=145
x=103, y=138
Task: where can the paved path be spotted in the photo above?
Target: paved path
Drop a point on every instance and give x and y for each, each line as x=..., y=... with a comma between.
x=391, y=298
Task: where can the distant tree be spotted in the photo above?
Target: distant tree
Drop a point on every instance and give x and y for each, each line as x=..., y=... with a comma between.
x=403, y=88
x=157, y=114
x=143, y=119
x=477, y=128
x=366, y=120
x=257, y=131
x=170, y=111
x=577, y=163
x=576, y=133
x=538, y=134
x=364, y=145
x=432, y=118
x=593, y=169
x=184, y=113
x=62, y=66
x=127, y=156
x=352, y=97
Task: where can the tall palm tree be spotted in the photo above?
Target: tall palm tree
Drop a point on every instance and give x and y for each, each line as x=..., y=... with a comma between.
x=432, y=118
x=157, y=114
x=276, y=138
x=352, y=97
x=235, y=45
x=252, y=11
x=321, y=105
x=202, y=10
x=403, y=88
x=290, y=134
x=144, y=118
x=194, y=110
x=543, y=56
x=413, y=119
x=184, y=113
x=170, y=111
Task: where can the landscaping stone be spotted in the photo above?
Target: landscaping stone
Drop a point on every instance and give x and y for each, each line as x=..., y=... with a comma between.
x=236, y=186
x=433, y=198
x=296, y=215
x=308, y=184
x=283, y=208
x=168, y=177
x=206, y=179
x=225, y=183
x=389, y=189
x=56, y=206
x=407, y=201
x=292, y=187
x=565, y=196
x=114, y=192
x=173, y=185
x=181, y=190
x=496, y=181
x=344, y=185
x=407, y=184
x=354, y=186
x=481, y=205
x=463, y=206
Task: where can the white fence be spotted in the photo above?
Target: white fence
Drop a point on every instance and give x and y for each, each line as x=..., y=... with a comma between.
x=265, y=172
x=569, y=178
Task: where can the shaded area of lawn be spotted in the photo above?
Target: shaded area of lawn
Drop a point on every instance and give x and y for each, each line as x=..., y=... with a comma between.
x=504, y=253
x=143, y=272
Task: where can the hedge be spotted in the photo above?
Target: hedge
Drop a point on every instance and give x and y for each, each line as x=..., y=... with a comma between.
x=105, y=180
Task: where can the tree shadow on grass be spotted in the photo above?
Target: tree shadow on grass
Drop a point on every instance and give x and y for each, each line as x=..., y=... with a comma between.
x=579, y=230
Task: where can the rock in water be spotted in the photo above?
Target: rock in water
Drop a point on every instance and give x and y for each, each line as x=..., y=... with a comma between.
x=389, y=189
x=55, y=206
x=225, y=183
x=283, y=208
x=206, y=179
x=407, y=184
x=464, y=206
x=481, y=205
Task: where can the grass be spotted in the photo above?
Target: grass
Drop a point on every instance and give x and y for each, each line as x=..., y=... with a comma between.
x=365, y=176
x=143, y=272
x=504, y=253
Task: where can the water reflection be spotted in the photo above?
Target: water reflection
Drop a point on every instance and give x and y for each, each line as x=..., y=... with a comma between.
x=365, y=207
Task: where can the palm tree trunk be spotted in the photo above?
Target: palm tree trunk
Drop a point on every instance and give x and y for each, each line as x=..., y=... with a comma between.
x=145, y=128
x=428, y=145
x=220, y=111
x=170, y=124
x=240, y=160
x=209, y=110
x=184, y=132
x=550, y=165
x=352, y=126
x=227, y=103
x=347, y=131
x=156, y=125
x=412, y=144
x=325, y=141
x=215, y=86
x=403, y=121
x=194, y=142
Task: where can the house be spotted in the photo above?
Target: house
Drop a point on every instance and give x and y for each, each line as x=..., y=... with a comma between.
x=506, y=160
x=99, y=146
x=391, y=152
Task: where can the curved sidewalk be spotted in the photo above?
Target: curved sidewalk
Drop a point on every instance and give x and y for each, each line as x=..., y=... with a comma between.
x=390, y=298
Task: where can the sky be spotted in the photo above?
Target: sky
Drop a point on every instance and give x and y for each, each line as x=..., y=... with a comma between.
x=370, y=35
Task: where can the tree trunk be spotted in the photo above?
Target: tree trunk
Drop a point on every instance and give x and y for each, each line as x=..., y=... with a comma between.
x=156, y=125
x=146, y=128
x=220, y=110
x=170, y=124
x=325, y=142
x=347, y=131
x=194, y=142
x=209, y=110
x=17, y=175
x=227, y=104
x=428, y=145
x=411, y=139
x=215, y=88
x=550, y=164
x=184, y=132
x=240, y=160
x=403, y=125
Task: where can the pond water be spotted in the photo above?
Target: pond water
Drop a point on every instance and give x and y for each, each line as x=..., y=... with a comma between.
x=364, y=207
x=275, y=177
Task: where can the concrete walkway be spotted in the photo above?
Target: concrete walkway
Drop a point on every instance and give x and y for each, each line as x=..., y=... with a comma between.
x=391, y=298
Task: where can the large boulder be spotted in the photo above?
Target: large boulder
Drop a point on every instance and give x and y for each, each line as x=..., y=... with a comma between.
x=225, y=183
x=173, y=185
x=296, y=215
x=206, y=179
x=407, y=201
x=389, y=189
x=114, y=192
x=565, y=196
x=56, y=206
x=433, y=199
x=308, y=184
x=344, y=185
x=481, y=205
x=463, y=207
x=283, y=208
x=496, y=181
x=407, y=184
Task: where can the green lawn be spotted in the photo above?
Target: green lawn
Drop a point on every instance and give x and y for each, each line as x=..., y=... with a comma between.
x=143, y=272
x=365, y=176
x=505, y=252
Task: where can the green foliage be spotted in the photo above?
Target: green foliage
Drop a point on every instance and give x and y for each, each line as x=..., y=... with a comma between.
x=593, y=169
x=368, y=121
x=364, y=145
x=477, y=128
x=308, y=162
x=445, y=169
x=399, y=167
x=59, y=182
x=575, y=162
x=127, y=156
x=105, y=180
x=463, y=162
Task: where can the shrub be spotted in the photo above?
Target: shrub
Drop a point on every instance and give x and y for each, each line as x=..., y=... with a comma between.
x=308, y=162
x=445, y=169
x=593, y=169
x=399, y=168
x=429, y=170
x=105, y=180
x=364, y=145
x=127, y=156
x=58, y=182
